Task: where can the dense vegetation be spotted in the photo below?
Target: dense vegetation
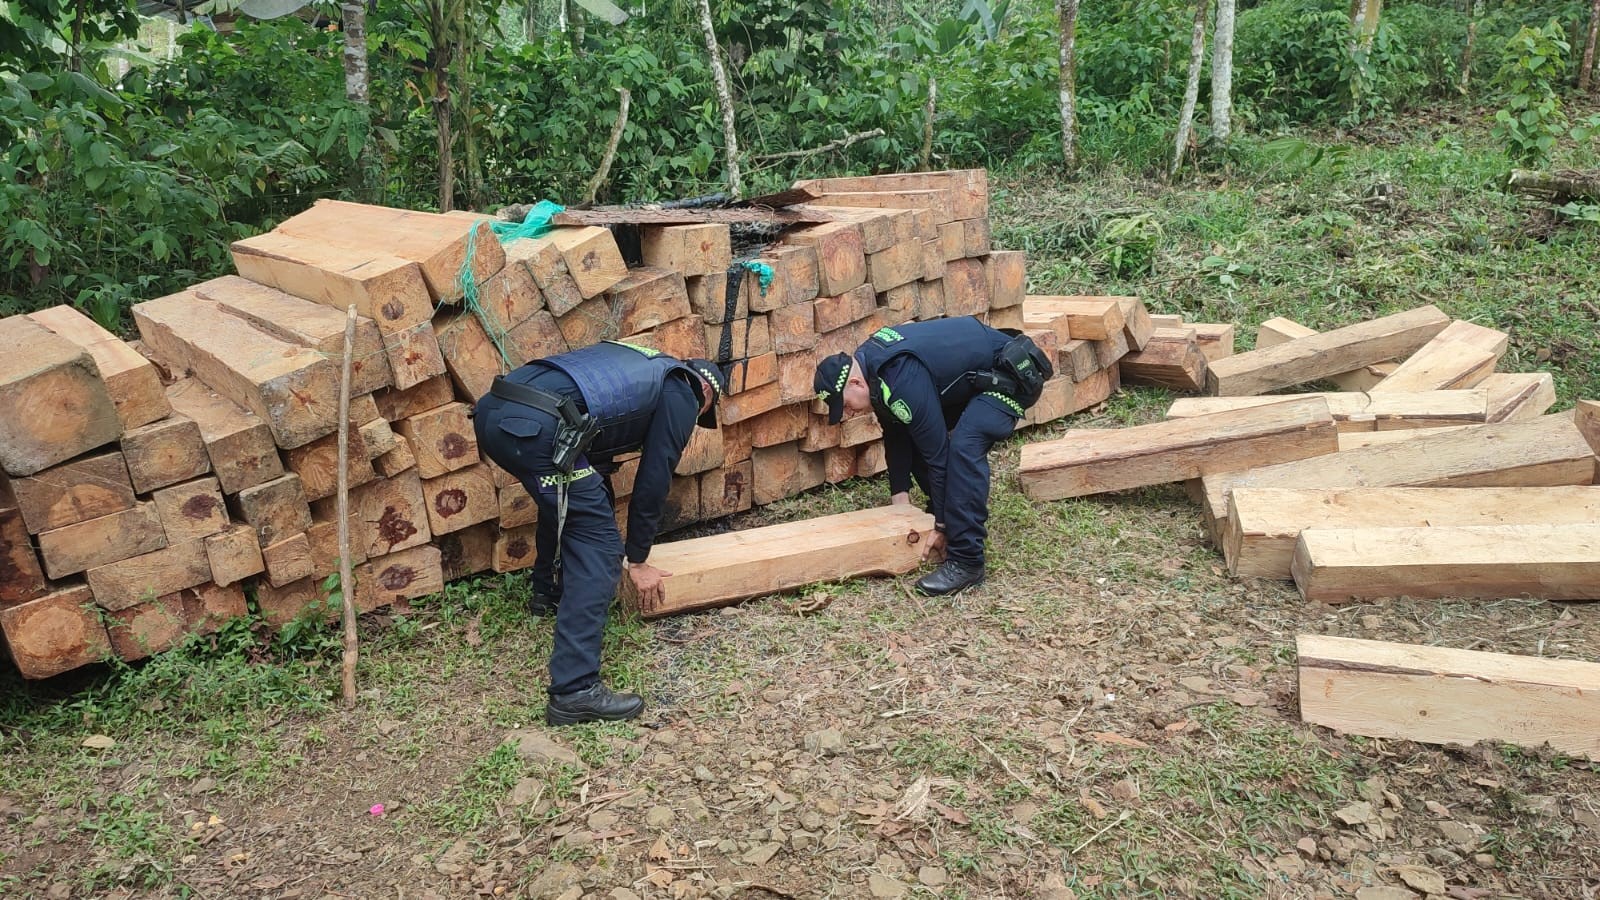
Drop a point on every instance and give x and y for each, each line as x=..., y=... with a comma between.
x=118, y=189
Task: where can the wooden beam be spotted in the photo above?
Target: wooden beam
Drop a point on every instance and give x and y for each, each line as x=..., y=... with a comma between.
x=238, y=443
x=130, y=379
x=438, y=244
x=85, y=488
x=98, y=542
x=21, y=578
x=647, y=297
x=829, y=313
x=722, y=569
x=611, y=216
x=148, y=628
x=1355, y=412
x=1329, y=353
x=234, y=555
x=592, y=258
x=702, y=249
x=165, y=452
x=783, y=471
x=303, y=323
x=385, y=288
x=276, y=509
x=1552, y=562
x=441, y=439
x=192, y=510
x=1441, y=365
x=1438, y=695
x=1279, y=330
x=1137, y=325
x=208, y=607
x=1216, y=341
x=396, y=404
x=1171, y=358
x=467, y=552
x=728, y=490
x=1355, y=440
x=460, y=499
x=966, y=290
x=56, y=405
x=1519, y=396
x=841, y=255
x=393, y=514
x=288, y=560
x=966, y=191
x=1264, y=523
x=1007, y=272
x=1097, y=461
x=55, y=633
x=544, y=262
x=1547, y=451
x=131, y=581
x=293, y=389
x=1088, y=318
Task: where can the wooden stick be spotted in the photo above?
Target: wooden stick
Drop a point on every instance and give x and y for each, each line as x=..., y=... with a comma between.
x=839, y=144
x=611, y=147
x=346, y=581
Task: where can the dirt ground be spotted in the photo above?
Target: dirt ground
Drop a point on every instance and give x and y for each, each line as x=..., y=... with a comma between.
x=1109, y=716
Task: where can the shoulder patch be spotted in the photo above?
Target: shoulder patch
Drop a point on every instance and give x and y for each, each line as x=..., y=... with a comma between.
x=902, y=411
x=887, y=335
x=647, y=351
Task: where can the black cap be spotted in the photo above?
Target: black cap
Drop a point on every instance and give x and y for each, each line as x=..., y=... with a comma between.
x=712, y=373
x=832, y=373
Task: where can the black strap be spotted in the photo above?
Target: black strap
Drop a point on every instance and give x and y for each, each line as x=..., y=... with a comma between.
x=735, y=283
x=561, y=407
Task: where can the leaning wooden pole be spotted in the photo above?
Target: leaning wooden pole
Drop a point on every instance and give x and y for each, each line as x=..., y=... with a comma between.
x=719, y=78
x=346, y=579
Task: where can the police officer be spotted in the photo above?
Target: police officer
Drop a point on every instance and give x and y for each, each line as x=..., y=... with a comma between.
x=944, y=391
x=556, y=424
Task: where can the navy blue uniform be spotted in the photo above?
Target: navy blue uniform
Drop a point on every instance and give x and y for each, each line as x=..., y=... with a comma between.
x=520, y=439
x=936, y=428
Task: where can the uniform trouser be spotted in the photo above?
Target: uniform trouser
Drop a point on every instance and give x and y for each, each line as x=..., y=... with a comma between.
x=984, y=422
x=520, y=440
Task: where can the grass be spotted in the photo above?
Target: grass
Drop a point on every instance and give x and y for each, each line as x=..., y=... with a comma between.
x=1003, y=699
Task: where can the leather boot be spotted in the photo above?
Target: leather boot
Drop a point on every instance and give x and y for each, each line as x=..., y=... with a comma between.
x=540, y=605
x=595, y=703
x=950, y=579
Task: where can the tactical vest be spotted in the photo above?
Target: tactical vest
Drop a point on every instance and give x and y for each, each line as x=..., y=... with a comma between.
x=949, y=348
x=620, y=384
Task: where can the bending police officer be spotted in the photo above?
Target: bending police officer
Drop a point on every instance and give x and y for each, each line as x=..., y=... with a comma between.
x=556, y=424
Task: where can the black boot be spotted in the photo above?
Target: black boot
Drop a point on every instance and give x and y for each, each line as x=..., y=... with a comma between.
x=949, y=579
x=540, y=605
x=596, y=703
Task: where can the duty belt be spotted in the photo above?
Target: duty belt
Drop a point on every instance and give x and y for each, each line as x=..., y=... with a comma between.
x=561, y=407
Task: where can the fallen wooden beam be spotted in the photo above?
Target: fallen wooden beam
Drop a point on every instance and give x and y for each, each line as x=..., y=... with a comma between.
x=1280, y=330
x=56, y=405
x=1093, y=462
x=1171, y=358
x=1329, y=353
x=1439, y=695
x=1547, y=451
x=725, y=568
x=1088, y=318
x=1264, y=523
x=1216, y=340
x=1552, y=562
x=1357, y=412
x=1519, y=396
x=1355, y=440
x=1441, y=365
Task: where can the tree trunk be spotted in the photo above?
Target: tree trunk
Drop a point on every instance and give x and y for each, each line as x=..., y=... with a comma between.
x=1555, y=187
x=1371, y=12
x=1474, y=11
x=1067, y=12
x=1191, y=90
x=927, y=124
x=469, y=135
x=355, y=51
x=626, y=97
x=1222, y=73
x=719, y=77
x=1586, y=68
x=441, y=121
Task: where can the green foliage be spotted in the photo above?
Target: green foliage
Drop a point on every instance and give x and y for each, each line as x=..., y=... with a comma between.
x=1532, y=120
x=44, y=35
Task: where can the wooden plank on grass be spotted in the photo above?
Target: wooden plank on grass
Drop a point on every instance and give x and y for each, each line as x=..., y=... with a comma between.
x=1171, y=358
x=55, y=404
x=1094, y=462
x=725, y=568
x=1441, y=365
x=1552, y=562
x=303, y=323
x=1329, y=353
x=1280, y=330
x=130, y=379
x=1356, y=412
x=1216, y=340
x=293, y=389
x=1137, y=326
x=238, y=443
x=1519, y=396
x=55, y=633
x=1088, y=318
x=1264, y=523
x=1440, y=695
x=1547, y=451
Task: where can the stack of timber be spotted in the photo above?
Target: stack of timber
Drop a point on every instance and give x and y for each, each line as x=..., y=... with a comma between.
x=1426, y=474
x=154, y=490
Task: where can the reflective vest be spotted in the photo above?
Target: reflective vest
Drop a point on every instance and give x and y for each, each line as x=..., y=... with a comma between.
x=949, y=348
x=620, y=384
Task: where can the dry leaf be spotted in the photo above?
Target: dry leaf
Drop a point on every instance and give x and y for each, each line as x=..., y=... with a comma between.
x=99, y=742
